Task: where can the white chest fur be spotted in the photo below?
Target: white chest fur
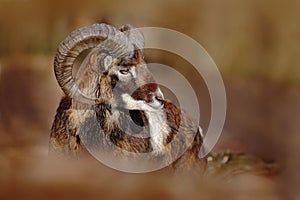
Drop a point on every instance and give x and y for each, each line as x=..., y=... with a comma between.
x=159, y=129
x=157, y=118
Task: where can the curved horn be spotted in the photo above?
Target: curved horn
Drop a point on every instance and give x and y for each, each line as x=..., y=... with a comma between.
x=102, y=36
x=134, y=35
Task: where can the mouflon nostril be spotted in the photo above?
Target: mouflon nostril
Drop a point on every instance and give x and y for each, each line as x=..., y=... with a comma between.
x=159, y=98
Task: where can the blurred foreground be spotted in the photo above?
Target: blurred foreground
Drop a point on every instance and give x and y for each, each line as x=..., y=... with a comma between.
x=29, y=97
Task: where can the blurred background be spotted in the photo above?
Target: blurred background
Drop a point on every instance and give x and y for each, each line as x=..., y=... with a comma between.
x=254, y=43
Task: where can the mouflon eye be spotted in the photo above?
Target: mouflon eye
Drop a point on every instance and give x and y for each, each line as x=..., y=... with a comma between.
x=124, y=71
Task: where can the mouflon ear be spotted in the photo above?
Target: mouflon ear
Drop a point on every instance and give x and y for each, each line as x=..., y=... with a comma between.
x=138, y=54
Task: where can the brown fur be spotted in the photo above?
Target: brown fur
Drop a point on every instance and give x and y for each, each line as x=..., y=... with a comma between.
x=98, y=127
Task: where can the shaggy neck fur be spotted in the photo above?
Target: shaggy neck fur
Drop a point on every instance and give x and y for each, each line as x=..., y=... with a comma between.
x=109, y=122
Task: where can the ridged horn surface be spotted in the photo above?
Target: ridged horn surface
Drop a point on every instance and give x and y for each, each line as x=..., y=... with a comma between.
x=105, y=37
x=134, y=35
